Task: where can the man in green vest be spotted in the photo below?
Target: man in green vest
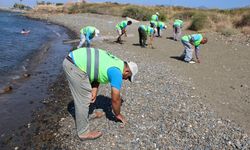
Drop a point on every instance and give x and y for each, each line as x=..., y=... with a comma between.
x=144, y=32
x=121, y=29
x=177, y=26
x=160, y=26
x=190, y=41
x=86, y=34
x=154, y=20
x=85, y=69
x=155, y=17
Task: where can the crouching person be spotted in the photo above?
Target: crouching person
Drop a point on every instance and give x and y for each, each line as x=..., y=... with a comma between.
x=85, y=69
x=190, y=41
x=144, y=32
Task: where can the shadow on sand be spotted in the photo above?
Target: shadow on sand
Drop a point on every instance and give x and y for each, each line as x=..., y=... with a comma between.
x=137, y=44
x=102, y=102
x=177, y=58
x=170, y=38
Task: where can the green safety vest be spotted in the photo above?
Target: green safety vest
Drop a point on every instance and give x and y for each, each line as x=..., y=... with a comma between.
x=160, y=24
x=178, y=23
x=154, y=22
x=154, y=17
x=196, y=42
x=149, y=30
x=122, y=25
x=96, y=62
x=88, y=29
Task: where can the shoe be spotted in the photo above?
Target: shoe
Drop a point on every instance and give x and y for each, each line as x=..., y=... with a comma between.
x=191, y=62
x=90, y=135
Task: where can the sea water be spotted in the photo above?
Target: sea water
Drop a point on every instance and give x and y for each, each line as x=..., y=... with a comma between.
x=39, y=53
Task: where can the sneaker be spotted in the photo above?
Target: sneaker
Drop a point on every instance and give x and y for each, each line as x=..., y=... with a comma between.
x=191, y=62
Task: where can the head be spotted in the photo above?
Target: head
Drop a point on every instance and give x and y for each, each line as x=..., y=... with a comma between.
x=129, y=22
x=97, y=32
x=157, y=13
x=129, y=71
x=204, y=40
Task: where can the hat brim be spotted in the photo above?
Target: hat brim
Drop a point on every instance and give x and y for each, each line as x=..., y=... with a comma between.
x=131, y=78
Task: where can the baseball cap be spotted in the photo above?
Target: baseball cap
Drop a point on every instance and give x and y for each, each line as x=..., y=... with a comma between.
x=97, y=32
x=134, y=69
x=157, y=13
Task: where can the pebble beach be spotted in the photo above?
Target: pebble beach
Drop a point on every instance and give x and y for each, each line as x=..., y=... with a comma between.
x=164, y=108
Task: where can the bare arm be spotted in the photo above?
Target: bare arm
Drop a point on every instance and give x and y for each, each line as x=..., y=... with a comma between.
x=150, y=44
x=116, y=104
x=197, y=51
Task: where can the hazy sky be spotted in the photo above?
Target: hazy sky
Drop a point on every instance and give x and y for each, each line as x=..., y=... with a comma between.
x=189, y=3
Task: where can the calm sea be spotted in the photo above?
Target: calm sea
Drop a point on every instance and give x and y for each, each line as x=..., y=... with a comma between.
x=39, y=53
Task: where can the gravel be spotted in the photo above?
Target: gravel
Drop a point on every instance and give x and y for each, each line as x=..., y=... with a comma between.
x=162, y=110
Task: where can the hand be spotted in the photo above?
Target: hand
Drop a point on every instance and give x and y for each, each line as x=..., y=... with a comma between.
x=122, y=119
x=93, y=95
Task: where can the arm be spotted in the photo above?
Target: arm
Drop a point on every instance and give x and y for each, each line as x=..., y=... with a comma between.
x=116, y=104
x=124, y=31
x=151, y=38
x=197, y=51
x=88, y=39
x=94, y=91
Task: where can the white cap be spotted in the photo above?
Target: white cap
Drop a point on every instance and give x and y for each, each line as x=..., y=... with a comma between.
x=134, y=69
x=97, y=32
x=157, y=13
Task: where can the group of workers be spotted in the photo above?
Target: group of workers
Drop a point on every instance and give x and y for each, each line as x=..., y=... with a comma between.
x=87, y=67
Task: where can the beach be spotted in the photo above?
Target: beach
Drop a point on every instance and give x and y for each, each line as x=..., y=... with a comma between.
x=171, y=105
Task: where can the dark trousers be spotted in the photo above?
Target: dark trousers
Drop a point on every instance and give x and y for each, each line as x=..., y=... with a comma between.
x=159, y=31
x=142, y=37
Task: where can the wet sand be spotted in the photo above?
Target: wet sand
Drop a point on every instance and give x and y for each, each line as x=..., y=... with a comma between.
x=217, y=89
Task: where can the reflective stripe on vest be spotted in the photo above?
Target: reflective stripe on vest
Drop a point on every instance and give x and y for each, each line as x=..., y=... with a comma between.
x=96, y=69
x=96, y=62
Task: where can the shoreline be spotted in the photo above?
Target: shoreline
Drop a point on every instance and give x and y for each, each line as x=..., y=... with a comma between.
x=11, y=138
x=67, y=138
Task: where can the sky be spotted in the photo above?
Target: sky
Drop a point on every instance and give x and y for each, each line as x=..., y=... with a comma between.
x=221, y=4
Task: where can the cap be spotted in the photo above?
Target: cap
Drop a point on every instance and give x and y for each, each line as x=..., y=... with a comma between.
x=97, y=32
x=157, y=13
x=134, y=69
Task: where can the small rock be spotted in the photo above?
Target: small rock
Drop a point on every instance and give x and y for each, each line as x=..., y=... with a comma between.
x=26, y=75
x=6, y=89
